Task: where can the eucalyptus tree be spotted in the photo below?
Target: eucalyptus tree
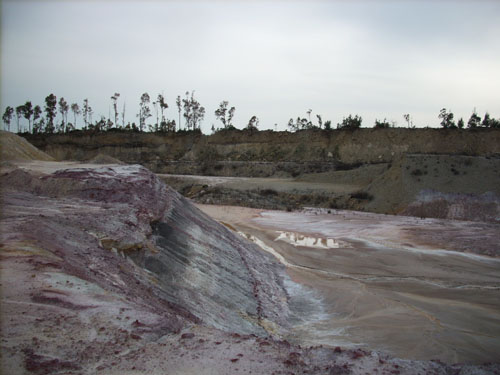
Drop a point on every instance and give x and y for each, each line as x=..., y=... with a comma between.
x=253, y=123
x=474, y=120
x=86, y=111
x=299, y=124
x=446, y=119
x=194, y=112
x=50, y=111
x=178, y=102
x=63, y=109
x=76, y=111
x=163, y=105
x=123, y=115
x=114, y=98
x=27, y=113
x=222, y=111
x=7, y=116
x=91, y=113
x=486, y=120
x=144, y=110
x=320, y=121
x=408, y=119
x=19, y=114
x=157, y=123
x=293, y=126
x=37, y=126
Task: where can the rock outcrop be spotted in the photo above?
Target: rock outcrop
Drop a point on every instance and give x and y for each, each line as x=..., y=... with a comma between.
x=129, y=243
x=107, y=270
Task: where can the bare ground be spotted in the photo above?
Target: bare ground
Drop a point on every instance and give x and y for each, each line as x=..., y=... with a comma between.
x=439, y=186
x=415, y=288
x=76, y=300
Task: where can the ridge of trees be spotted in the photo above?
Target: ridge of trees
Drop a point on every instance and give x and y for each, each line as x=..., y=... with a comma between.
x=193, y=113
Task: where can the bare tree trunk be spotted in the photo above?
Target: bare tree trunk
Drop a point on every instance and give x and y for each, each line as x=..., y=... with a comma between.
x=123, y=115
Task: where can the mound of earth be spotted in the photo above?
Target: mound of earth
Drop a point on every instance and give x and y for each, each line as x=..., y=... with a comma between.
x=107, y=270
x=13, y=147
x=439, y=186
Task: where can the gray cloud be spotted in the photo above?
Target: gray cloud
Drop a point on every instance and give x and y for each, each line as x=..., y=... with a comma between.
x=272, y=59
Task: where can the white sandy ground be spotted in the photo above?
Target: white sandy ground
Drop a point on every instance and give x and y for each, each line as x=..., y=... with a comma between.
x=389, y=283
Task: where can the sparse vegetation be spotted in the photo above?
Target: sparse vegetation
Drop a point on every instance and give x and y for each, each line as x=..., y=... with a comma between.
x=447, y=119
x=225, y=115
x=253, y=123
x=7, y=116
x=409, y=120
x=474, y=120
x=350, y=123
x=193, y=113
x=384, y=124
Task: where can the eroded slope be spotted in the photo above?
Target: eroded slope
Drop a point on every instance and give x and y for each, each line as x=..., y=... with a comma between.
x=102, y=245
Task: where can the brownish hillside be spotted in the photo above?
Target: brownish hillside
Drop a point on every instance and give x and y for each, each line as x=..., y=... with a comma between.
x=270, y=153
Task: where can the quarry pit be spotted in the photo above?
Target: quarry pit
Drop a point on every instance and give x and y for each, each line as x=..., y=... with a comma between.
x=107, y=270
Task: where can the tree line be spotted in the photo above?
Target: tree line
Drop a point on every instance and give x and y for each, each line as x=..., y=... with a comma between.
x=190, y=108
x=44, y=121
x=354, y=122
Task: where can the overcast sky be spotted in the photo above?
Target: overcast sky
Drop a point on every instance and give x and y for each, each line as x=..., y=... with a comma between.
x=273, y=59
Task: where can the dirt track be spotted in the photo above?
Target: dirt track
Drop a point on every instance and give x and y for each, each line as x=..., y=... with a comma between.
x=404, y=285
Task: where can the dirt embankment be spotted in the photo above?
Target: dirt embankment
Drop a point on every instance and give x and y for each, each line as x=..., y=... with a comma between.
x=13, y=147
x=267, y=153
x=438, y=186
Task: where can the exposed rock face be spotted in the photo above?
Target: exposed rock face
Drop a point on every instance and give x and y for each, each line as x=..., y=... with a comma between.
x=273, y=151
x=198, y=263
x=130, y=243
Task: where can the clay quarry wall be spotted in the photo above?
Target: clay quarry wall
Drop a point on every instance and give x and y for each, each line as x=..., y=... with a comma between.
x=181, y=151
